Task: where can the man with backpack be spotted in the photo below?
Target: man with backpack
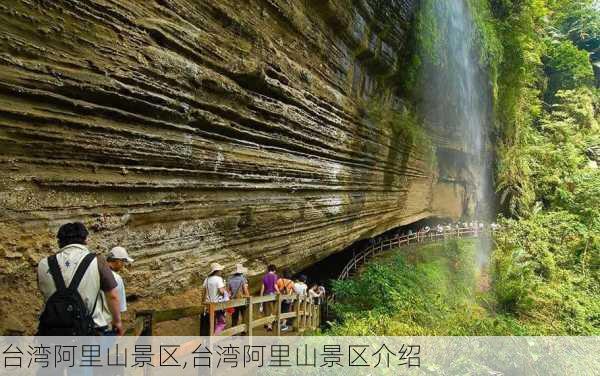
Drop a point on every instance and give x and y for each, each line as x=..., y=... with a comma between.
x=71, y=282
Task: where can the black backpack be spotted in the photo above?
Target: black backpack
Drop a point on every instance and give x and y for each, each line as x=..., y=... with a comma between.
x=65, y=313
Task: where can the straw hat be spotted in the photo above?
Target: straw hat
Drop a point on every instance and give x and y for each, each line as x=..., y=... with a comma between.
x=240, y=269
x=215, y=266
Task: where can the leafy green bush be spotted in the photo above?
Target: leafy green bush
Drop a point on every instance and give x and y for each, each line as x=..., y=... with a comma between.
x=567, y=67
x=541, y=273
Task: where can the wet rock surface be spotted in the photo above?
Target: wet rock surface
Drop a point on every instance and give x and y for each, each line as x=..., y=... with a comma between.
x=198, y=131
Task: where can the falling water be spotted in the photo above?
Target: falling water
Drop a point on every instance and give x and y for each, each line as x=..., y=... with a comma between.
x=456, y=98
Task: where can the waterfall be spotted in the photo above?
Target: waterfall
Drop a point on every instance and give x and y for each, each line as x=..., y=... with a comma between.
x=456, y=96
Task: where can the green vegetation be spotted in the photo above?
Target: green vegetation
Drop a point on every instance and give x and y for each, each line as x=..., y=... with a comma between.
x=402, y=120
x=542, y=274
x=429, y=290
x=545, y=266
x=437, y=290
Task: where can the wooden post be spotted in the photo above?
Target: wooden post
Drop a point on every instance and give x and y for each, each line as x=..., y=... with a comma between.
x=296, y=326
x=148, y=317
x=318, y=316
x=211, y=317
x=320, y=310
x=278, y=314
x=200, y=323
x=304, y=307
x=249, y=315
x=308, y=316
x=300, y=315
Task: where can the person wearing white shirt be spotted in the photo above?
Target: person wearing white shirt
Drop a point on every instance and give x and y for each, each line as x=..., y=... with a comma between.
x=213, y=291
x=300, y=286
x=116, y=259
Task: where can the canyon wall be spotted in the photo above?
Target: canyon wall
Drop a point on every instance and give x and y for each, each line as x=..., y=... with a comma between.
x=198, y=131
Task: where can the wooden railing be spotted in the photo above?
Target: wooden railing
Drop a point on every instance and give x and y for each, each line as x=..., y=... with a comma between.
x=305, y=315
x=416, y=238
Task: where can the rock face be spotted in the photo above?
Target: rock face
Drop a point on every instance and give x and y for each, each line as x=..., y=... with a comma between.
x=199, y=131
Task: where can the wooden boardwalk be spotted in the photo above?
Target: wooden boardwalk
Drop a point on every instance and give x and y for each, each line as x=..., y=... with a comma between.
x=304, y=315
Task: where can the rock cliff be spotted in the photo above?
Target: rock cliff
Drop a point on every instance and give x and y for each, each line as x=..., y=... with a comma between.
x=199, y=131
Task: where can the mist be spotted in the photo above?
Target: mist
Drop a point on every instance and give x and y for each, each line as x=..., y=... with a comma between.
x=456, y=99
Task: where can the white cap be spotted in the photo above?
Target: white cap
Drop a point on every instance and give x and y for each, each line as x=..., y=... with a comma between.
x=119, y=253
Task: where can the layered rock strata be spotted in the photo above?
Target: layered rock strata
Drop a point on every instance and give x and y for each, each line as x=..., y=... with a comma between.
x=199, y=131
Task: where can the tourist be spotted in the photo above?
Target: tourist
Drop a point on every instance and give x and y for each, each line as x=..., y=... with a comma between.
x=300, y=286
x=238, y=289
x=213, y=291
x=286, y=287
x=322, y=293
x=269, y=287
x=87, y=274
x=117, y=258
x=315, y=294
x=323, y=301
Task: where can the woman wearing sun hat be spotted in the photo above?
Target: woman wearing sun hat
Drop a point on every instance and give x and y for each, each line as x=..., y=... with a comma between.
x=213, y=291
